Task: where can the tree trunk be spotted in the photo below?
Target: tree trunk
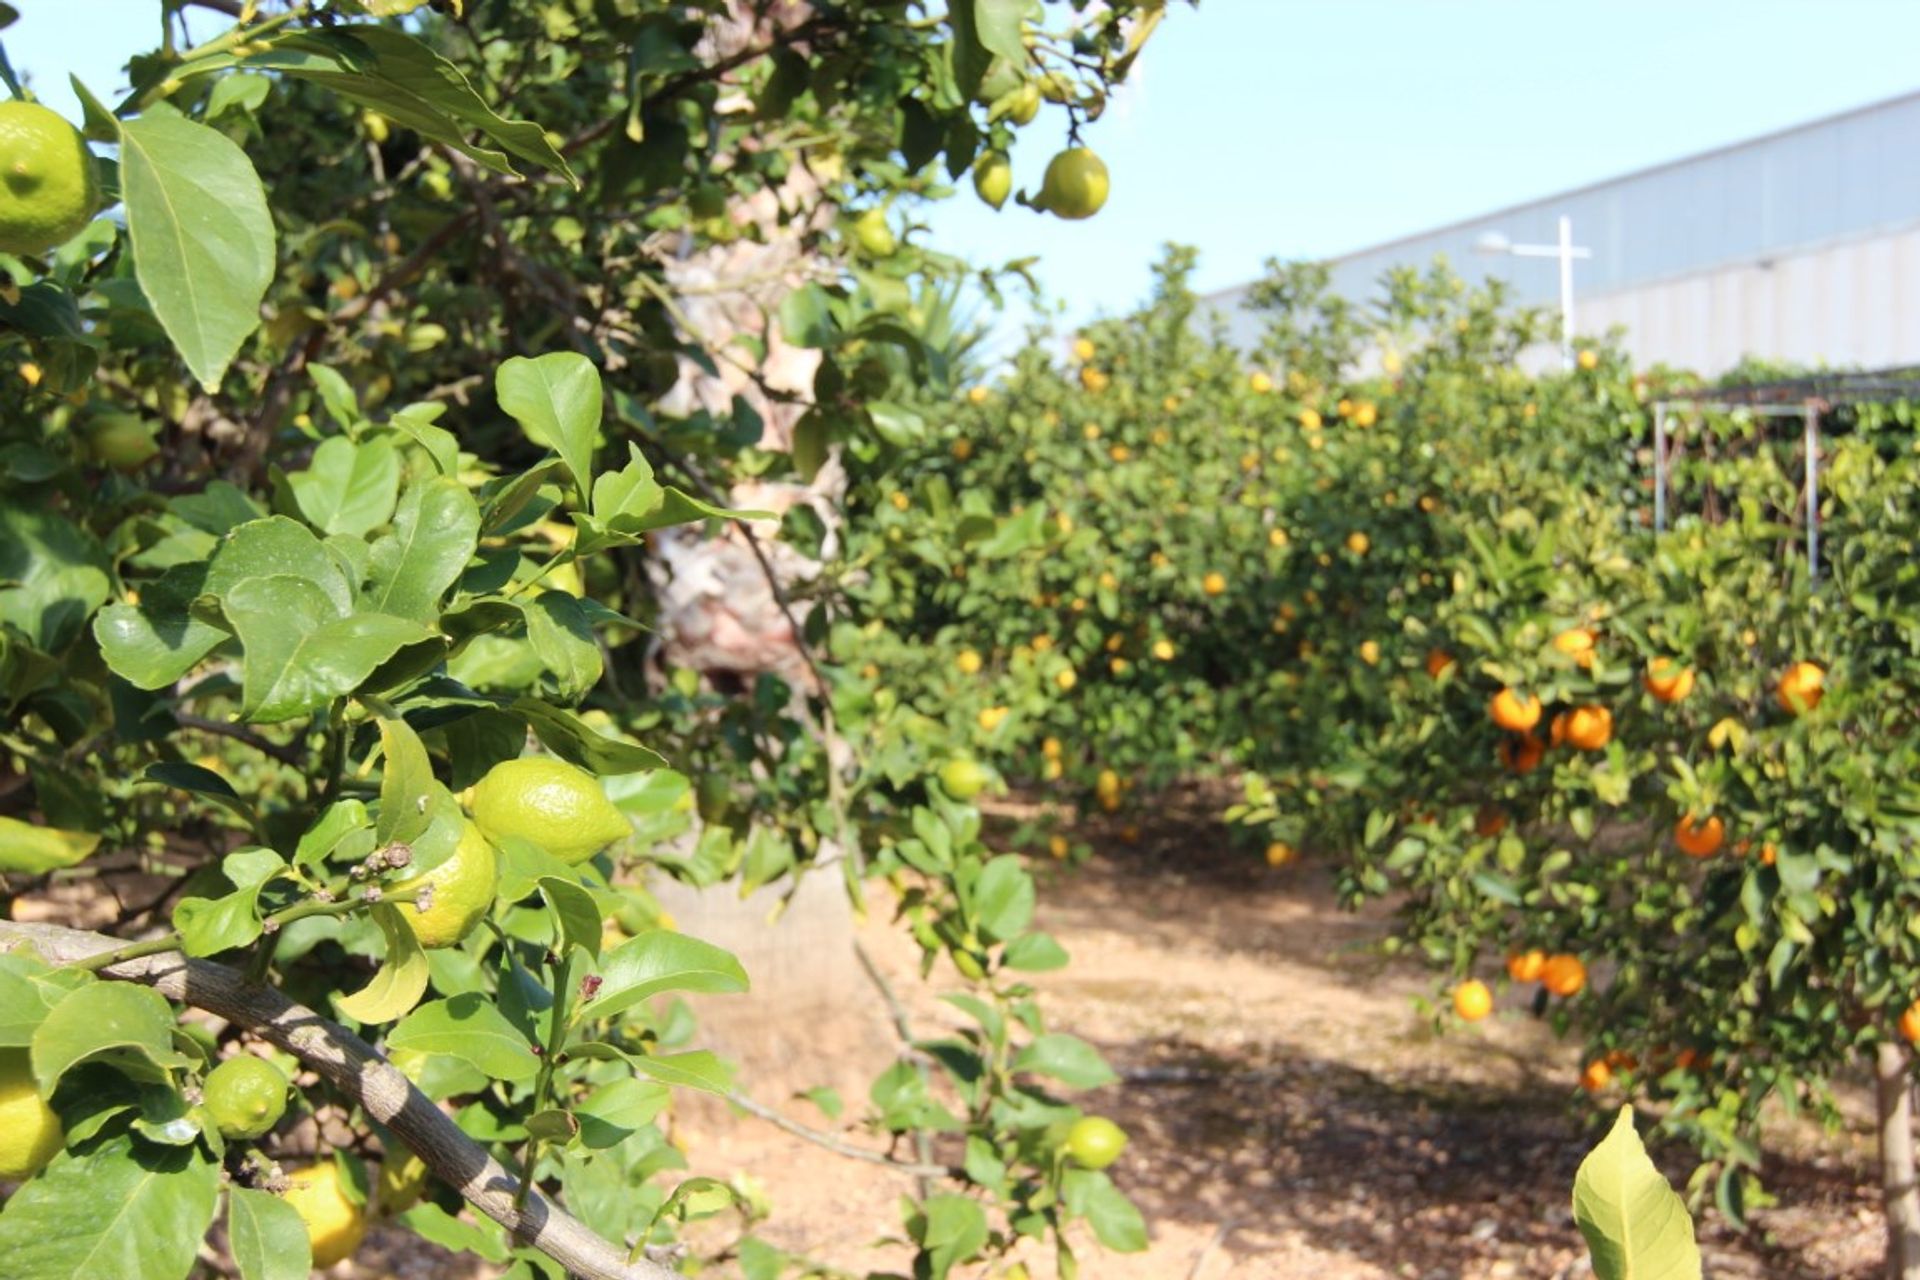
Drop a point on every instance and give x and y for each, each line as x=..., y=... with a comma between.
x=1894, y=1089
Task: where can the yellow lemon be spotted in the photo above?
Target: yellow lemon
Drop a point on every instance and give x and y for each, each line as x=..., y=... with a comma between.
x=558, y=807
x=1075, y=185
x=335, y=1223
x=460, y=889
x=30, y=1133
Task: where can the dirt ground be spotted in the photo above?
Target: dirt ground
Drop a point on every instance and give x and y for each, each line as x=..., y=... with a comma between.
x=1293, y=1115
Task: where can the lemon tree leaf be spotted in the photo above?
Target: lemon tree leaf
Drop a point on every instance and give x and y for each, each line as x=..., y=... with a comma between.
x=202, y=237
x=28, y=992
x=348, y=488
x=616, y=1110
x=126, y=1210
x=469, y=1028
x=556, y=399
x=412, y=86
x=575, y=910
x=1068, y=1059
x=267, y=1236
x=576, y=742
x=661, y=960
x=402, y=979
x=1113, y=1217
x=407, y=785
x=129, y=1027
x=34, y=850
x=997, y=23
x=300, y=655
x=696, y=1070
x=560, y=633
x=1636, y=1226
x=52, y=575
x=434, y=534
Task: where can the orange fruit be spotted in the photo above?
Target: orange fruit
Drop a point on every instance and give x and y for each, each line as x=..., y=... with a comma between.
x=1214, y=584
x=1576, y=644
x=1490, y=821
x=1557, y=729
x=1589, y=728
x=1522, y=754
x=1563, y=975
x=1801, y=687
x=1512, y=712
x=1910, y=1023
x=1597, y=1076
x=1668, y=681
x=1280, y=853
x=1526, y=966
x=1699, y=839
x=1438, y=660
x=1472, y=1001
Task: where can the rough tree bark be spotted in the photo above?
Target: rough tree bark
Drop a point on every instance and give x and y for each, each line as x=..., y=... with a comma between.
x=351, y=1065
x=1894, y=1089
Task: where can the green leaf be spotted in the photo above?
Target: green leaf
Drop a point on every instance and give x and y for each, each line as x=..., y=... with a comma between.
x=575, y=911
x=806, y=317
x=334, y=826
x=469, y=1028
x=208, y=926
x=434, y=534
x=560, y=633
x=407, y=785
x=556, y=399
x=998, y=25
x=1114, y=1219
x=202, y=237
x=1002, y=899
x=574, y=741
x=696, y=1070
x=412, y=86
x=661, y=960
x=154, y=643
x=402, y=979
x=1636, y=1226
x=52, y=575
x=123, y=1210
x=1035, y=953
x=348, y=488
x=483, y=1237
x=267, y=1236
x=950, y=1229
x=618, y=1109
x=1068, y=1059
x=28, y=992
x=35, y=850
x=127, y=1026
x=300, y=655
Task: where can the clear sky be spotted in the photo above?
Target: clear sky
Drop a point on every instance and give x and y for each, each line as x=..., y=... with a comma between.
x=1303, y=128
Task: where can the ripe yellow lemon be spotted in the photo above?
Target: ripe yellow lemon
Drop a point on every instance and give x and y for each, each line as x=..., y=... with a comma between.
x=1163, y=650
x=49, y=189
x=558, y=807
x=991, y=718
x=962, y=779
x=1260, y=383
x=1083, y=349
x=1589, y=360
x=1214, y=584
x=403, y=1178
x=1370, y=652
x=245, y=1095
x=1075, y=185
x=461, y=890
x=30, y=1133
x=335, y=1223
x=993, y=178
x=1310, y=419
x=969, y=662
x=1066, y=679
x=1280, y=853
x=1359, y=543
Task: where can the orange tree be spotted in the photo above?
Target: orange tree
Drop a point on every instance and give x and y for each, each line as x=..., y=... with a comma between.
x=1660, y=785
x=318, y=634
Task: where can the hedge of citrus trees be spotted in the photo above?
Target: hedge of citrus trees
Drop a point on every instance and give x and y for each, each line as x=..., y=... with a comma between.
x=336, y=427
x=1656, y=789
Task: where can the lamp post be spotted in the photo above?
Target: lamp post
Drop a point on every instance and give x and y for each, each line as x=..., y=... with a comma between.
x=1566, y=250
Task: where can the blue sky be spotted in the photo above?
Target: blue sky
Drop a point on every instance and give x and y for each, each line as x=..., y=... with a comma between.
x=1302, y=128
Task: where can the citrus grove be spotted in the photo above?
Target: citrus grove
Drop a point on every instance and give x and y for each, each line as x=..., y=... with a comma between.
x=353, y=390
x=1654, y=788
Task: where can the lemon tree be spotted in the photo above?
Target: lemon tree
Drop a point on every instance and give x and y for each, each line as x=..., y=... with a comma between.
x=333, y=474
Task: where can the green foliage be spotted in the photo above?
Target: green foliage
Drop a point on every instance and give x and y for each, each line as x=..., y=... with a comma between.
x=1637, y=1227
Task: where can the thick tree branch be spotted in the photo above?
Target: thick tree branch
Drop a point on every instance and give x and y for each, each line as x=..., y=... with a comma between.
x=352, y=1066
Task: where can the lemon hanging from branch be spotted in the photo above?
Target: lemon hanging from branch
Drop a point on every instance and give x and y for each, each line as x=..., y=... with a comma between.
x=1075, y=186
x=558, y=807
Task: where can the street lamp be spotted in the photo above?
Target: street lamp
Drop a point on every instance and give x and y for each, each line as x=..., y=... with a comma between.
x=1566, y=251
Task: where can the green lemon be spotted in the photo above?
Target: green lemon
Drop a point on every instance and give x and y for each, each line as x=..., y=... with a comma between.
x=245, y=1095
x=1025, y=104
x=1095, y=1141
x=871, y=232
x=29, y=1131
x=48, y=187
x=123, y=441
x=336, y=1223
x=462, y=891
x=993, y=178
x=1075, y=186
x=558, y=807
x=963, y=779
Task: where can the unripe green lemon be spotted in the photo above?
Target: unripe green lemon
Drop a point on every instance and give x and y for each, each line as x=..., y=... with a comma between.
x=558, y=807
x=30, y=1133
x=1026, y=104
x=871, y=232
x=462, y=890
x=993, y=178
x=1095, y=1141
x=245, y=1095
x=963, y=779
x=123, y=441
x=1075, y=186
x=49, y=189
x=335, y=1223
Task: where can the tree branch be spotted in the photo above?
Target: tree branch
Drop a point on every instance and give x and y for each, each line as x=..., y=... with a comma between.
x=839, y=1148
x=284, y=753
x=352, y=1066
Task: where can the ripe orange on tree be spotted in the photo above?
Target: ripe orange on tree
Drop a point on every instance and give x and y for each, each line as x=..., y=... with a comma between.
x=1438, y=660
x=1801, y=687
x=1522, y=754
x=1699, y=839
x=1667, y=681
x=1491, y=820
x=1589, y=728
x=1472, y=1000
x=1597, y=1076
x=1513, y=712
x=1577, y=644
x=1527, y=966
x=1563, y=975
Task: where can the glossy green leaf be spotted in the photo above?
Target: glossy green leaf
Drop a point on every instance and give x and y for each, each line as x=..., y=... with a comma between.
x=1068, y=1059
x=29, y=990
x=576, y=742
x=560, y=633
x=471, y=1029
x=348, y=488
x=203, y=242
x=434, y=534
x=1635, y=1224
x=129, y=1027
x=575, y=911
x=619, y=1108
x=697, y=1070
x=300, y=654
x=401, y=979
x=267, y=1236
x=1114, y=1219
x=32, y=849
x=125, y=1210
x=658, y=961
x=556, y=399
x=53, y=575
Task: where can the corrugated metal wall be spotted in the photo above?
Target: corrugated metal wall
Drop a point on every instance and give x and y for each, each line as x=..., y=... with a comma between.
x=1802, y=246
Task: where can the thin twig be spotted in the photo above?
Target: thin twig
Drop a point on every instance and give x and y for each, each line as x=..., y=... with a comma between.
x=903, y=1027
x=835, y=1145
x=1214, y=1241
x=285, y=753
